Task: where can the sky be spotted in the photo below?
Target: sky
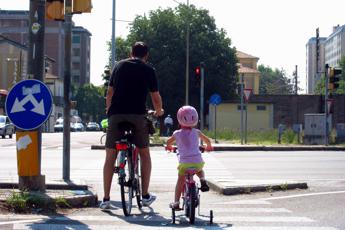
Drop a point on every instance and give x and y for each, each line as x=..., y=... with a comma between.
x=275, y=31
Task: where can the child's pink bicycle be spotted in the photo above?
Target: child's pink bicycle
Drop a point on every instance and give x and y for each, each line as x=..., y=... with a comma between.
x=190, y=194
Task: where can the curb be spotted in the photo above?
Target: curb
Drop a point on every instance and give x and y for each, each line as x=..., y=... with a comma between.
x=81, y=195
x=246, y=189
x=256, y=148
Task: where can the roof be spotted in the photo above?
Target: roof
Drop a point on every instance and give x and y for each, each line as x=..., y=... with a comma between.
x=243, y=69
x=242, y=55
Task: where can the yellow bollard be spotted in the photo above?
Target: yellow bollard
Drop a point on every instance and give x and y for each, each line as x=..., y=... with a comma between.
x=27, y=153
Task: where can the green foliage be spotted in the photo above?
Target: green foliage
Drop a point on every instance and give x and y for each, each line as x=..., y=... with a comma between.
x=257, y=137
x=90, y=102
x=165, y=30
x=61, y=202
x=23, y=201
x=274, y=82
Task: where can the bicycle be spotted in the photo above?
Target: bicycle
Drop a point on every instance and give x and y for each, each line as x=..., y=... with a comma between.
x=190, y=194
x=127, y=167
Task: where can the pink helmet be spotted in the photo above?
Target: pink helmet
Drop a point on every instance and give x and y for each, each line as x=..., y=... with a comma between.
x=187, y=116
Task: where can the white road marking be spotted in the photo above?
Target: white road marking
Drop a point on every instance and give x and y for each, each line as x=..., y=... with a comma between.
x=303, y=195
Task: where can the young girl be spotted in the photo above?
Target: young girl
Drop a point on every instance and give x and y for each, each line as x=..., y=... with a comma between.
x=187, y=141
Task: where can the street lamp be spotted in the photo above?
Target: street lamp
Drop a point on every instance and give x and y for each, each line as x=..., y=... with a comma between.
x=187, y=54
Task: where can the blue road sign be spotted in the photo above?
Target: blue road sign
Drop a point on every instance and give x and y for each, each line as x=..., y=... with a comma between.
x=29, y=104
x=215, y=99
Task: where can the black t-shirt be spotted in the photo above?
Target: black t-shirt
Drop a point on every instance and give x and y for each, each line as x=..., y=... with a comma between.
x=131, y=80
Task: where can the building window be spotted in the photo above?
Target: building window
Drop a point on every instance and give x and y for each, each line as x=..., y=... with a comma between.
x=76, y=78
x=75, y=65
x=261, y=107
x=239, y=107
x=76, y=52
x=76, y=39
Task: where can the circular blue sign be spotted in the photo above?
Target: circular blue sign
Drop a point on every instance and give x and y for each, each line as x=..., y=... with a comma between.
x=29, y=104
x=215, y=99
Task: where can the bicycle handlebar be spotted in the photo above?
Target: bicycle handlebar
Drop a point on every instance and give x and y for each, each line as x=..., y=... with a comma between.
x=174, y=148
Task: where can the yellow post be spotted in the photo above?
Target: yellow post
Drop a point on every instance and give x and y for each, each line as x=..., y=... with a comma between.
x=28, y=161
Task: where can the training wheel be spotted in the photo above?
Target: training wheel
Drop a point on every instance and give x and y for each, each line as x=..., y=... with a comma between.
x=173, y=215
x=211, y=217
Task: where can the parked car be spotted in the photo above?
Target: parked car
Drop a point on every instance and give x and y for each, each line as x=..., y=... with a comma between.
x=58, y=127
x=77, y=127
x=6, y=127
x=93, y=126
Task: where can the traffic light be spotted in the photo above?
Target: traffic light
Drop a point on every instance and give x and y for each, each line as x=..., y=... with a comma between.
x=55, y=10
x=198, y=72
x=82, y=6
x=106, y=78
x=333, y=74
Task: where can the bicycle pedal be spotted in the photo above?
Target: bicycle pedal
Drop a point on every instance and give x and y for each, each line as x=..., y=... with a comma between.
x=116, y=170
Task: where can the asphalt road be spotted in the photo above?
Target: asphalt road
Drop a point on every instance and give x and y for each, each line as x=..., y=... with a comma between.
x=320, y=207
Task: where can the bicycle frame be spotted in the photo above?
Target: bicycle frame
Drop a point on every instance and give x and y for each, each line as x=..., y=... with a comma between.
x=127, y=154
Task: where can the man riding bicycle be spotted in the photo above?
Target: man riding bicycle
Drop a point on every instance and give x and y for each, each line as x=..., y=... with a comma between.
x=129, y=84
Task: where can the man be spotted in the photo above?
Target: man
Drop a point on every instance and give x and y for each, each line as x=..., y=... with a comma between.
x=168, y=122
x=129, y=84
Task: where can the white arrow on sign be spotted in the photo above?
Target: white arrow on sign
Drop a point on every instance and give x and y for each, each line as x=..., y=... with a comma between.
x=38, y=106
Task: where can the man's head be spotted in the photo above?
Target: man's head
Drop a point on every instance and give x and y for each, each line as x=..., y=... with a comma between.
x=140, y=50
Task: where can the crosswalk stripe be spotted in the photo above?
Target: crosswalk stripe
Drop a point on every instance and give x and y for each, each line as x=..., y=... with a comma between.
x=116, y=227
x=159, y=217
x=244, y=202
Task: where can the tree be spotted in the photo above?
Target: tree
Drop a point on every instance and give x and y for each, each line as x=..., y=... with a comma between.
x=164, y=30
x=90, y=102
x=320, y=85
x=274, y=81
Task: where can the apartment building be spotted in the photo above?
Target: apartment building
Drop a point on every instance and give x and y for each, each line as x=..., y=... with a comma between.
x=314, y=69
x=331, y=50
x=335, y=46
x=14, y=24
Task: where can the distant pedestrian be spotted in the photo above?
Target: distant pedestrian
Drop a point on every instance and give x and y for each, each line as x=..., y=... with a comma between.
x=168, y=123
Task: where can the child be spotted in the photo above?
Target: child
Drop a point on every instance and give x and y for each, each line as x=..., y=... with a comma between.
x=187, y=141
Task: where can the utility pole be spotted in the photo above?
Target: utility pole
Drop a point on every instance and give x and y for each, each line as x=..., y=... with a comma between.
x=242, y=105
x=326, y=106
x=113, y=43
x=36, y=71
x=187, y=55
x=67, y=89
x=296, y=80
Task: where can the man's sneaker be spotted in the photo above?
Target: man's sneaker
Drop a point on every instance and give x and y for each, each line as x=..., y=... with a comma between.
x=105, y=205
x=204, y=187
x=148, y=201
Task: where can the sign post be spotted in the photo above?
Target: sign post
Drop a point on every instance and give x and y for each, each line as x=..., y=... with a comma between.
x=246, y=92
x=215, y=100
x=28, y=106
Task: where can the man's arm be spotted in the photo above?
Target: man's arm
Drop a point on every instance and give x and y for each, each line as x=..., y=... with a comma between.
x=157, y=103
x=110, y=93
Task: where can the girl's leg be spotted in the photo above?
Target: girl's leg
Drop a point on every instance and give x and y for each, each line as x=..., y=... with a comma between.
x=179, y=187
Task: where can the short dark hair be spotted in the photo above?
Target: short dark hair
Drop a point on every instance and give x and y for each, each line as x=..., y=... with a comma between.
x=140, y=49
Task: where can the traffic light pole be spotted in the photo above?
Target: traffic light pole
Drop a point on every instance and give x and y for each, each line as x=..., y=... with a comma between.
x=326, y=106
x=67, y=88
x=202, y=80
x=36, y=71
x=242, y=105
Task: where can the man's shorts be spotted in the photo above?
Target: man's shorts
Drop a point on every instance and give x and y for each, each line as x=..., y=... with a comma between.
x=183, y=166
x=141, y=133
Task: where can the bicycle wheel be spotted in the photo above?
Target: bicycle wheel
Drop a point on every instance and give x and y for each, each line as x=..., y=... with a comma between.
x=125, y=182
x=137, y=176
x=103, y=138
x=192, y=204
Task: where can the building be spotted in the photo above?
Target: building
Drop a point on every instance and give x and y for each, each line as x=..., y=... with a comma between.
x=331, y=50
x=314, y=76
x=81, y=49
x=335, y=46
x=249, y=70
x=14, y=24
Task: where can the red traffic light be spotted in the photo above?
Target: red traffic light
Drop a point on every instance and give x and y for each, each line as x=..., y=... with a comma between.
x=197, y=70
